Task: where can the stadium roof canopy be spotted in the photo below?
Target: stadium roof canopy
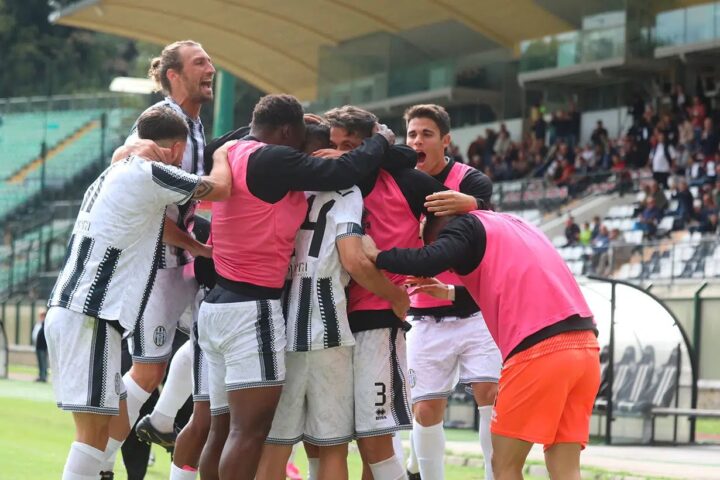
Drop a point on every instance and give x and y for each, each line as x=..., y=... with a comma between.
x=274, y=45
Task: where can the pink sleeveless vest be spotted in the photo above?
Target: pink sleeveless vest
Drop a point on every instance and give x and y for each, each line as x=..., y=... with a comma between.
x=422, y=300
x=522, y=284
x=390, y=222
x=252, y=239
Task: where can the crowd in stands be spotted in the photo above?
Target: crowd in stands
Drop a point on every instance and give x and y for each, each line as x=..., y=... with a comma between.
x=677, y=135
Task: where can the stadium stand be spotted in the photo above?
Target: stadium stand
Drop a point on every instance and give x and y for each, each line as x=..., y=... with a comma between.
x=78, y=143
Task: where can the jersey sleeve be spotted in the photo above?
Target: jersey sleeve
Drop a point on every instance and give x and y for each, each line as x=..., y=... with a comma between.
x=171, y=184
x=348, y=216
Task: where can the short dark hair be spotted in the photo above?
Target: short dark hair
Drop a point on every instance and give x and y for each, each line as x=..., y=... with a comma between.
x=353, y=119
x=161, y=123
x=318, y=133
x=273, y=111
x=436, y=113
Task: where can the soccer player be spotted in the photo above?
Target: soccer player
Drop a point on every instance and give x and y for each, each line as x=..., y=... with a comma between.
x=109, y=270
x=184, y=72
x=317, y=400
x=449, y=339
x=539, y=319
x=241, y=326
x=394, y=202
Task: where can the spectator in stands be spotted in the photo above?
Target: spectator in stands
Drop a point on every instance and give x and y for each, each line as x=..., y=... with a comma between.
x=503, y=143
x=539, y=128
x=520, y=166
x=600, y=245
x=717, y=192
x=596, y=224
x=490, y=139
x=698, y=113
x=41, y=351
x=599, y=137
x=685, y=202
x=658, y=195
x=669, y=128
x=476, y=152
x=649, y=218
x=661, y=159
x=708, y=140
x=709, y=225
x=614, y=254
x=622, y=175
x=454, y=153
x=678, y=99
x=572, y=231
x=695, y=171
x=585, y=234
x=566, y=170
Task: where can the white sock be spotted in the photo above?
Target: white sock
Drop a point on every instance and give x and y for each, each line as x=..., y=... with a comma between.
x=136, y=398
x=111, y=451
x=83, y=462
x=412, y=463
x=430, y=450
x=176, y=390
x=177, y=473
x=486, y=439
x=313, y=465
x=389, y=469
x=398, y=447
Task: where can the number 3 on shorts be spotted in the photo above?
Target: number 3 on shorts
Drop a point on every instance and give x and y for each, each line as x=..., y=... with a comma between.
x=381, y=393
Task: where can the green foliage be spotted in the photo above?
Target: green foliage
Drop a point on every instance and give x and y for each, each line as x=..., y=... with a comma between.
x=38, y=57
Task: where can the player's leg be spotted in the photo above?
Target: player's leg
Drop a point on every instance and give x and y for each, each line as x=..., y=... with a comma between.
x=563, y=456
x=85, y=355
x=330, y=412
x=159, y=426
x=212, y=451
x=313, y=455
x=433, y=373
x=253, y=344
x=251, y=415
x=191, y=440
x=289, y=420
x=381, y=400
x=509, y=456
x=480, y=363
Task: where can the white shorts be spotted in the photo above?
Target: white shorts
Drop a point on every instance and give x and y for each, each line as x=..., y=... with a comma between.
x=380, y=373
x=85, y=358
x=244, y=344
x=172, y=293
x=441, y=354
x=317, y=400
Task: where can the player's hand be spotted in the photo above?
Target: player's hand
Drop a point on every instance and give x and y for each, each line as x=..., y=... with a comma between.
x=221, y=154
x=450, y=202
x=148, y=150
x=385, y=131
x=430, y=286
x=202, y=250
x=313, y=119
x=401, y=304
x=369, y=247
x=328, y=153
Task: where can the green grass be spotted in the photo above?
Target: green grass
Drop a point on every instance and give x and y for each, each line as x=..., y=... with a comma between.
x=35, y=436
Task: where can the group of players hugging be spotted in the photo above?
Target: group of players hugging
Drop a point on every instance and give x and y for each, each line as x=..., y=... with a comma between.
x=345, y=278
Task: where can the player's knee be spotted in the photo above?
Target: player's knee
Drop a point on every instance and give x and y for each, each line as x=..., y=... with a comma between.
x=376, y=449
x=429, y=412
x=485, y=393
x=148, y=375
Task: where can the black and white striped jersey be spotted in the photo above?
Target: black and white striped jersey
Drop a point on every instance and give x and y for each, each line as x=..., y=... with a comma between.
x=114, y=250
x=315, y=303
x=193, y=162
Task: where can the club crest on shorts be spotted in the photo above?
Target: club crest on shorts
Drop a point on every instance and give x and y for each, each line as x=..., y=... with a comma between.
x=118, y=383
x=412, y=378
x=160, y=336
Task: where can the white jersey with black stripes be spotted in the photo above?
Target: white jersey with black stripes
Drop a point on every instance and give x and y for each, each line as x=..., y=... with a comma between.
x=114, y=249
x=315, y=304
x=192, y=162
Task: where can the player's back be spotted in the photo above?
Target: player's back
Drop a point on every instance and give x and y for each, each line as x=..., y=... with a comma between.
x=114, y=247
x=316, y=305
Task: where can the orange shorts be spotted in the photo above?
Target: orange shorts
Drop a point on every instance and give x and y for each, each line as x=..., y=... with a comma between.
x=546, y=393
